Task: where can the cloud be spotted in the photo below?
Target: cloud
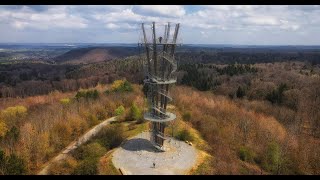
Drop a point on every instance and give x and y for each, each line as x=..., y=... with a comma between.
x=112, y=26
x=309, y=8
x=53, y=17
x=204, y=34
x=120, y=26
x=126, y=15
x=161, y=10
x=39, y=8
x=250, y=18
x=19, y=24
x=222, y=17
x=234, y=23
x=128, y=19
x=263, y=20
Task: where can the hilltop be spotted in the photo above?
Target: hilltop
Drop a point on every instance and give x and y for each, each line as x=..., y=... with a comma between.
x=94, y=54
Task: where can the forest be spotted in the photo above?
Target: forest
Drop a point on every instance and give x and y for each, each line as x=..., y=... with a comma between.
x=255, y=108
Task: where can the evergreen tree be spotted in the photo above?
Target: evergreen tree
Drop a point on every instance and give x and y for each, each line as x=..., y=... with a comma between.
x=11, y=165
x=2, y=162
x=15, y=165
x=276, y=96
x=240, y=92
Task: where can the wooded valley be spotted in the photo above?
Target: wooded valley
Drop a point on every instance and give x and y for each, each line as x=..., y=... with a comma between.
x=256, y=109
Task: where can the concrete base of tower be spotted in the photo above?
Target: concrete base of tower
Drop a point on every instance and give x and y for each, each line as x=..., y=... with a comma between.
x=164, y=147
x=137, y=156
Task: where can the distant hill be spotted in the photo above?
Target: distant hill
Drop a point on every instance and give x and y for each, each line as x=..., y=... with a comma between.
x=94, y=54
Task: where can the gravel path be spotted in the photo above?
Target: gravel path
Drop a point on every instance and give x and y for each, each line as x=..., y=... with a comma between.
x=137, y=155
x=75, y=144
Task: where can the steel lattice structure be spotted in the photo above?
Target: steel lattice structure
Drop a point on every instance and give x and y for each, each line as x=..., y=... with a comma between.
x=159, y=67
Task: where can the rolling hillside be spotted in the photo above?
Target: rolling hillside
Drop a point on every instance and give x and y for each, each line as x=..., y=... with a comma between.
x=94, y=54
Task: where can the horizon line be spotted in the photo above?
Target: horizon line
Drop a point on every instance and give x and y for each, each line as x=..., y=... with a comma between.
x=182, y=43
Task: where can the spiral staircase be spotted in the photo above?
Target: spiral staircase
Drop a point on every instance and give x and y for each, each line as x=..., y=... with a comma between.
x=159, y=67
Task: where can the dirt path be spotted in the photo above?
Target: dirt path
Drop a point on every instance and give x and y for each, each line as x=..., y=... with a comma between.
x=136, y=156
x=75, y=144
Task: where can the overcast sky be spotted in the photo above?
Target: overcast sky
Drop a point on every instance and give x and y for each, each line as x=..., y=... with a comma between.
x=248, y=25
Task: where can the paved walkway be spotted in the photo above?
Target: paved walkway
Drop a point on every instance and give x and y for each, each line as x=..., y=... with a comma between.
x=137, y=155
x=75, y=144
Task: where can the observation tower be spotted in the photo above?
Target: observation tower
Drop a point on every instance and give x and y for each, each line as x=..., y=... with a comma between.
x=159, y=66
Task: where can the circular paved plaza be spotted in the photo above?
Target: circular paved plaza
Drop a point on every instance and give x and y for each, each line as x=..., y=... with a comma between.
x=137, y=155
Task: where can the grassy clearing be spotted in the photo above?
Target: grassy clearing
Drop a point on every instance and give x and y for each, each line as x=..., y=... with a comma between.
x=106, y=166
x=180, y=125
x=134, y=129
x=203, y=166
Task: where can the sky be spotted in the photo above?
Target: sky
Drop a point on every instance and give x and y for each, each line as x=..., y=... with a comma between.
x=199, y=24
